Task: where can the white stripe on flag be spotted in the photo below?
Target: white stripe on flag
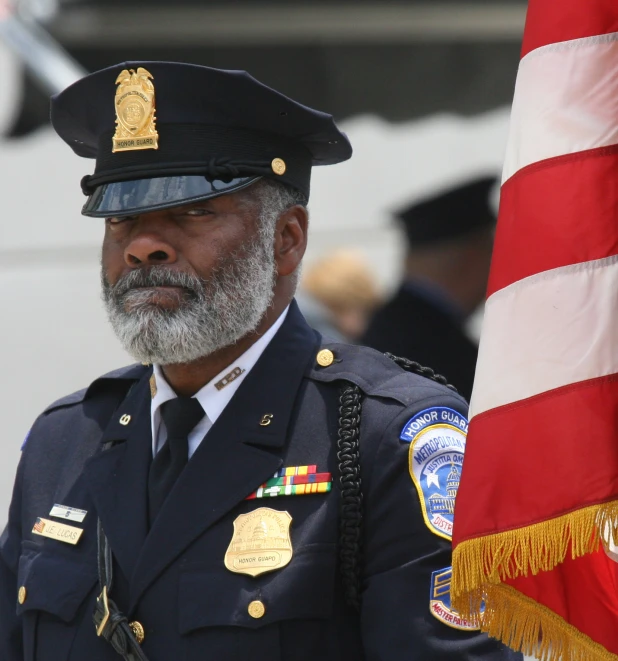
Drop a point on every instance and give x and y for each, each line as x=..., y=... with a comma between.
x=566, y=100
x=547, y=331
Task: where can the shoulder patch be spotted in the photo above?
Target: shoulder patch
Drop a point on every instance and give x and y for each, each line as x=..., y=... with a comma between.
x=437, y=438
x=440, y=602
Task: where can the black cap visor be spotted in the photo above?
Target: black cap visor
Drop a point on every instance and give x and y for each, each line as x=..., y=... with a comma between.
x=128, y=198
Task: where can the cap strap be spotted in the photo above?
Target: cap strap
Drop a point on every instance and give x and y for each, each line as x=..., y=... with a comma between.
x=216, y=169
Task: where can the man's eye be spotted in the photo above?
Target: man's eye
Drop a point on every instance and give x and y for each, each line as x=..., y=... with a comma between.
x=116, y=221
x=197, y=213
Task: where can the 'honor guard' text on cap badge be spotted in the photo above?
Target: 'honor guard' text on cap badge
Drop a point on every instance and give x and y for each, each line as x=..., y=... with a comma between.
x=135, y=111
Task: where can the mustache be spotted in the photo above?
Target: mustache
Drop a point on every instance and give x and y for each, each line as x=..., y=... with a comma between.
x=155, y=276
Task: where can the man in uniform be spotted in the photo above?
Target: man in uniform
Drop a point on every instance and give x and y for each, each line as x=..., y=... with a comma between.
x=250, y=490
x=450, y=241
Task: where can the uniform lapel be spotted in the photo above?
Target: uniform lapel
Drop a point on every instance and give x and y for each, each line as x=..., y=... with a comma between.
x=118, y=477
x=237, y=455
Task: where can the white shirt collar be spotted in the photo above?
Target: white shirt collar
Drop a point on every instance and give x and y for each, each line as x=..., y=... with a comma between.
x=213, y=401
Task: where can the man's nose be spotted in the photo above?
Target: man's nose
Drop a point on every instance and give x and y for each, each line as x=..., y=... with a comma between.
x=148, y=247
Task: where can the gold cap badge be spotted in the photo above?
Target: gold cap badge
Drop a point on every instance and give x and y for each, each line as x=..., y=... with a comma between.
x=135, y=111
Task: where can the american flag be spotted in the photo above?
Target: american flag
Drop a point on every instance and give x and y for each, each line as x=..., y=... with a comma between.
x=39, y=526
x=539, y=488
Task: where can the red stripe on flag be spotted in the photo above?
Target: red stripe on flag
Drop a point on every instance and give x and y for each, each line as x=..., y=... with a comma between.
x=550, y=21
x=547, y=212
x=539, y=458
x=584, y=592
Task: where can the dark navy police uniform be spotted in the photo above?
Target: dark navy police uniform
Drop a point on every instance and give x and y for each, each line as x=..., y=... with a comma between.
x=173, y=579
x=349, y=578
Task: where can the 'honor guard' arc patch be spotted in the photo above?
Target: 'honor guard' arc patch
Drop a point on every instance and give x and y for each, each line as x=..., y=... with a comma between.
x=437, y=438
x=440, y=601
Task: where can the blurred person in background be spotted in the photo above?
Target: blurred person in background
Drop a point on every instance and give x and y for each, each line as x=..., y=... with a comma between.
x=205, y=502
x=343, y=287
x=450, y=240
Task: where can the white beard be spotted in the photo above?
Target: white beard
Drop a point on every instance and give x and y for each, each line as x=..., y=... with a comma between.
x=213, y=314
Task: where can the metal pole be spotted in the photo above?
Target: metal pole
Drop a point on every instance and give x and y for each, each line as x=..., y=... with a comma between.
x=52, y=67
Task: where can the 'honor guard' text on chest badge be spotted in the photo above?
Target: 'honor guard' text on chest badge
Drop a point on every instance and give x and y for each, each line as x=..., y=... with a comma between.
x=261, y=542
x=135, y=111
x=440, y=601
x=437, y=438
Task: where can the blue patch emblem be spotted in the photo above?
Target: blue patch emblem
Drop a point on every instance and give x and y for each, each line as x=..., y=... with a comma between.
x=440, y=601
x=437, y=438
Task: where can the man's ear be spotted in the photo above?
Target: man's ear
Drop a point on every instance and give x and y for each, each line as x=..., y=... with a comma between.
x=291, y=239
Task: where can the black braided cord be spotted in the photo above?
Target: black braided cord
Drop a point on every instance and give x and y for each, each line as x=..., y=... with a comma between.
x=351, y=506
x=416, y=368
x=348, y=457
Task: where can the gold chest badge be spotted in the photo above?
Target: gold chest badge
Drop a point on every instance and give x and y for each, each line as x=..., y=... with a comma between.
x=135, y=111
x=261, y=542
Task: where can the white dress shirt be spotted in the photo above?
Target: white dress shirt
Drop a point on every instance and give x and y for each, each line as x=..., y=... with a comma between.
x=213, y=401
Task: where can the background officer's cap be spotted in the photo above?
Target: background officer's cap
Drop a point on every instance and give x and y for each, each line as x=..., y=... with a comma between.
x=217, y=131
x=451, y=214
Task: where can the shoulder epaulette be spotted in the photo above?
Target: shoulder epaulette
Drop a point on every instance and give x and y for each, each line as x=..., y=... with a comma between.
x=69, y=400
x=374, y=373
x=122, y=375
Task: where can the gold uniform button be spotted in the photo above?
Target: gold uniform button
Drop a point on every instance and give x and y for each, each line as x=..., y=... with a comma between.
x=138, y=631
x=278, y=165
x=325, y=358
x=256, y=609
x=21, y=595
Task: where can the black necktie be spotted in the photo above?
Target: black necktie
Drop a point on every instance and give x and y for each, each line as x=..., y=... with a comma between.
x=180, y=416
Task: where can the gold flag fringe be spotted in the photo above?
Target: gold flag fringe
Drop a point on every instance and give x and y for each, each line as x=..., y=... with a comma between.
x=483, y=561
x=527, y=626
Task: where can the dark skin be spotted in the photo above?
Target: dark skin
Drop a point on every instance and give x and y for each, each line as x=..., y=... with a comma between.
x=192, y=239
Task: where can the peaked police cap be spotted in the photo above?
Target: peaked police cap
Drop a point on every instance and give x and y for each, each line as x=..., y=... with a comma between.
x=165, y=134
x=451, y=213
